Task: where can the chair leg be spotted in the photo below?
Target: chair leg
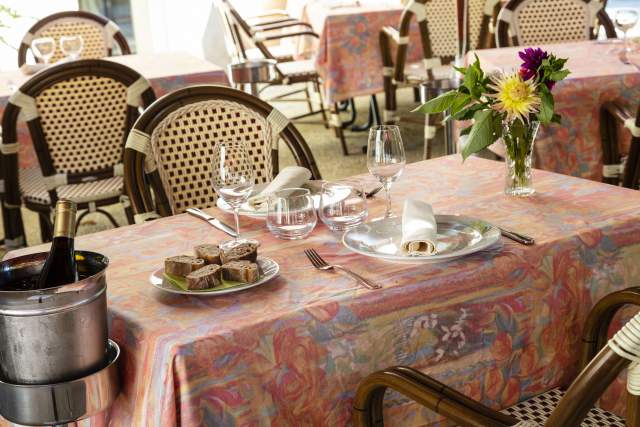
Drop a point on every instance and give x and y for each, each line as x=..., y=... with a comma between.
x=46, y=228
x=308, y=96
x=109, y=217
x=129, y=213
x=337, y=127
x=323, y=111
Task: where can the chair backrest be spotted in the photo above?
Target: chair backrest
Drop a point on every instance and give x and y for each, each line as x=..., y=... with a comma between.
x=481, y=16
x=242, y=31
x=536, y=22
x=171, y=146
x=79, y=114
x=99, y=34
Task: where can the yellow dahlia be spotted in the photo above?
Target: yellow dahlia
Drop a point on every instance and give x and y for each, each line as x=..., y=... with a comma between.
x=515, y=96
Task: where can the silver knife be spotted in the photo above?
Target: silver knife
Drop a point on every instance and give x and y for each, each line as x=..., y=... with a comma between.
x=198, y=213
x=520, y=238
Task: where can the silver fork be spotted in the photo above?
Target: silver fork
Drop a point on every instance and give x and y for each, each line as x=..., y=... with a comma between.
x=321, y=264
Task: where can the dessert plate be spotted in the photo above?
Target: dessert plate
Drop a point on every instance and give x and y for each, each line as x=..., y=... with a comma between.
x=269, y=269
x=458, y=236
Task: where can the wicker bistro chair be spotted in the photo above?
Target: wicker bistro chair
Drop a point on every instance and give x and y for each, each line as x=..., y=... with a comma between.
x=168, y=155
x=442, y=42
x=78, y=114
x=619, y=170
x=99, y=34
x=601, y=363
x=534, y=22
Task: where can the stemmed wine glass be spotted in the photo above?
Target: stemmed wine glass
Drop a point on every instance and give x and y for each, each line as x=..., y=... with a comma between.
x=71, y=46
x=43, y=48
x=233, y=180
x=385, y=157
x=626, y=19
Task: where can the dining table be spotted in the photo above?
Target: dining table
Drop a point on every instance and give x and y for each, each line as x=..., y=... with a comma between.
x=166, y=71
x=500, y=325
x=598, y=75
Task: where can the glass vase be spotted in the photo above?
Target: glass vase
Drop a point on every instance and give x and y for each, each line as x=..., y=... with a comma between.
x=518, y=138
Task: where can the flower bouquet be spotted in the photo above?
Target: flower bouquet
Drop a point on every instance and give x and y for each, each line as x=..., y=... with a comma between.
x=503, y=106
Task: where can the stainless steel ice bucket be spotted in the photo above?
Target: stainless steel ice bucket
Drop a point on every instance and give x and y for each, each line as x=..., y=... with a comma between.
x=253, y=71
x=57, y=334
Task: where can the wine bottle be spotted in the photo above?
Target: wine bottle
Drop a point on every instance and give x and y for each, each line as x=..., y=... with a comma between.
x=60, y=267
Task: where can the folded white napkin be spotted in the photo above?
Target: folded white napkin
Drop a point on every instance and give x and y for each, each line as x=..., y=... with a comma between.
x=419, y=229
x=289, y=177
x=29, y=69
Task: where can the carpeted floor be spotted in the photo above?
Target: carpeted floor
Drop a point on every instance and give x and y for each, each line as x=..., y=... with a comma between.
x=324, y=145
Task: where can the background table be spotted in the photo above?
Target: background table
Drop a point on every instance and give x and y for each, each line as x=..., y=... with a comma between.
x=165, y=71
x=499, y=326
x=597, y=76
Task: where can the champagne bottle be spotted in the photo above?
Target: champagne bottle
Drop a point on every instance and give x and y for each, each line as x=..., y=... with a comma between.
x=60, y=267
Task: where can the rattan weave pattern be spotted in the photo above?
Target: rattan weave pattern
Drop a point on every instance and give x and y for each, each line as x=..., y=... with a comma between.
x=182, y=146
x=443, y=34
x=83, y=120
x=551, y=21
x=476, y=13
x=93, y=36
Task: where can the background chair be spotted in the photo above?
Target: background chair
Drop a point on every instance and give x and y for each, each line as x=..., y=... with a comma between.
x=79, y=114
x=99, y=34
x=619, y=170
x=169, y=152
x=535, y=22
x=441, y=42
x=601, y=363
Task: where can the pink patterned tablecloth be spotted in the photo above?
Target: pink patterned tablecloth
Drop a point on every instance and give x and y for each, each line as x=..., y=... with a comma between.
x=500, y=326
x=165, y=71
x=348, y=56
x=597, y=76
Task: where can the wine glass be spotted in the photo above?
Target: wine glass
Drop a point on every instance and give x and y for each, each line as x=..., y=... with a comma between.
x=43, y=48
x=385, y=157
x=71, y=46
x=233, y=180
x=626, y=19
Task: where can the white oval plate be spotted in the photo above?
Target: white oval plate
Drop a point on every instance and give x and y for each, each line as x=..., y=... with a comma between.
x=269, y=269
x=247, y=210
x=458, y=236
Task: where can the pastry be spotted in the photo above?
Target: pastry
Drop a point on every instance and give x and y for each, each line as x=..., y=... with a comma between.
x=182, y=265
x=244, y=251
x=209, y=253
x=240, y=271
x=206, y=277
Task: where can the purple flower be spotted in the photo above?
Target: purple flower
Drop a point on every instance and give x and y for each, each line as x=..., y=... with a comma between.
x=531, y=61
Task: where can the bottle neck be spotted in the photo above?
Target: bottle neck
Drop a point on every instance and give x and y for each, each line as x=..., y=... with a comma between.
x=65, y=224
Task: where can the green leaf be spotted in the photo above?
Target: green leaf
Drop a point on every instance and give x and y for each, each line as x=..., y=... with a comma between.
x=556, y=76
x=556, y=119
x=481, y=135
x=439, y=104
x=546, y=107
x=465, y=131
x=459, y=103
x=468, y=112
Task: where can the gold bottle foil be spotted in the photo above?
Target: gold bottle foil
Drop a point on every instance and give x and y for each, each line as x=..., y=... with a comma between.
x=65, y=219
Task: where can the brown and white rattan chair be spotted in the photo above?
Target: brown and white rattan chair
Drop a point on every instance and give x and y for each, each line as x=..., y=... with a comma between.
x=79, y=115
x=618, y=169
x=536, y=22
x=169, y=152
x=439, y=23
x=601, y=361
x=100, y=35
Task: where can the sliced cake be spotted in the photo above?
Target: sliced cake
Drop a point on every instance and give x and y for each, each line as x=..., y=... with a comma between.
x=244, y=251
x=182, y=265
x=209, y=253
x=240, y=271
x=206, y=277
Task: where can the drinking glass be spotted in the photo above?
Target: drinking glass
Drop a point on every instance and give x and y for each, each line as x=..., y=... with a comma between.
x=342, y=205
x=385, y=157
x=233, y=180
x=291, y=214
x=71, y=46
x=43, y=48
x=625, y=20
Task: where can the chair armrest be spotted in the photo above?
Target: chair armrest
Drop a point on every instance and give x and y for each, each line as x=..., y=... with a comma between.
x=265, y=21
x=266, y=37
x=392, y=34
x=368, y=402
x=277, y=26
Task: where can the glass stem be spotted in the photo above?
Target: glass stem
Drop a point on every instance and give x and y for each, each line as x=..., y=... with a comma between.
x=387, y=190
x=236, y=216
x=625, y=40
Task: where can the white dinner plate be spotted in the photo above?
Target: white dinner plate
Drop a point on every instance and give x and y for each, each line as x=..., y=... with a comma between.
x=248, y=210
x=268, y=270
x=458, y=236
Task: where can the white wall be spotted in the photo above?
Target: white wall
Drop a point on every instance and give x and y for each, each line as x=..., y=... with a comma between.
x=31, y=11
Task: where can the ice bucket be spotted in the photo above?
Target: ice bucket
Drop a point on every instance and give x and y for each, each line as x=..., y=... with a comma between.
x=57, y=334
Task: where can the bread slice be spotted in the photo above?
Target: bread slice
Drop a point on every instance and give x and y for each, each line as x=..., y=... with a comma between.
x=206, y=277
x=240, y=271
x=182, y=265
x=209, y=253
x=244, y=251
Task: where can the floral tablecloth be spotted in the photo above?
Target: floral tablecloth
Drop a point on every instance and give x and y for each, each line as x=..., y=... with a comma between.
x=597, y=76
x=500, y=326
x=165, y=71
x=348, y=55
